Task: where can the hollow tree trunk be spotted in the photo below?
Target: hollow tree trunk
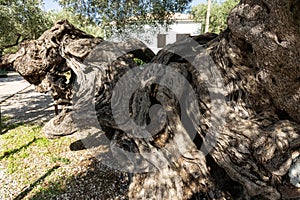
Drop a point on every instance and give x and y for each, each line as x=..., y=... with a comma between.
x=212, y=116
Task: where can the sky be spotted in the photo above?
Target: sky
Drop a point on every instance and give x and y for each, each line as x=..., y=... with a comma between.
x=53, y=5
x=196, y=2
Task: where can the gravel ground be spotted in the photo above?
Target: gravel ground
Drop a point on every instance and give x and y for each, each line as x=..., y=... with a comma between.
x=87, y=177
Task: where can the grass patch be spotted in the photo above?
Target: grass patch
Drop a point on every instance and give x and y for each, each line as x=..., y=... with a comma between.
x=62, y=160
x=53, y=189
x=138, y=61
x=31, y=160
x=5, y=125
x=3, y=73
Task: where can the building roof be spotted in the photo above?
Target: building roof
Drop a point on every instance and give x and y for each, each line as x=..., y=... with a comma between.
x=182, y=16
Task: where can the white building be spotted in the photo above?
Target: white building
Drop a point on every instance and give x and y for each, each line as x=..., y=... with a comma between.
x=156, y=39
x=184, y=26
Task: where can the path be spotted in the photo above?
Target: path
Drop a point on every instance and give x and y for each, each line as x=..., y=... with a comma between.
x=21, y=103
x=11, y=85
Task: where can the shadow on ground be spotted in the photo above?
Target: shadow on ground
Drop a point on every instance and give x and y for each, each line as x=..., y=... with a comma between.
x=13, y=151
x=5, y=126
x=97, y=182
x=28, y=106
x=35, y=183
x=11, y=77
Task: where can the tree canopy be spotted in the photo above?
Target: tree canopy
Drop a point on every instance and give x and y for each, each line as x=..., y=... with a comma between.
x=24, y=20
x=79, y=21
x=218, y=14
x=118, y=14
x=20, y=20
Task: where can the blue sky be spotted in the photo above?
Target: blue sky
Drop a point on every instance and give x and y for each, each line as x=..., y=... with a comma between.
x=53, y=5
x=196, y=2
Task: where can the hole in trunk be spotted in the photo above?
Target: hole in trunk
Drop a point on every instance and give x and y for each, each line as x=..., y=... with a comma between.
x=266, y=7
x=283, y=115
x=274, y=81
x=249, y=48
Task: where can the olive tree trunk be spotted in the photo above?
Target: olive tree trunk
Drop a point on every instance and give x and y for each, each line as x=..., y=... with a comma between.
x=213, y=116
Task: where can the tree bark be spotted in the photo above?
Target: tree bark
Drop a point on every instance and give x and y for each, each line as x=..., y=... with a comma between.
x=233, y=133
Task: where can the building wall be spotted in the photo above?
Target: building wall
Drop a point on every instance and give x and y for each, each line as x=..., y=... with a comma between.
x=149, y=37
x=181, y=27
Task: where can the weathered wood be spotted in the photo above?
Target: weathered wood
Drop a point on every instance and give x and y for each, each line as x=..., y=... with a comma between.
x=165, y=125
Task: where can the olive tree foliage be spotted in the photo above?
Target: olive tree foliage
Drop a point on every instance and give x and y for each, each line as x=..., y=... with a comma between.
x=21, y=20
x=114, y=15
x=78, y=20
x=218, y=14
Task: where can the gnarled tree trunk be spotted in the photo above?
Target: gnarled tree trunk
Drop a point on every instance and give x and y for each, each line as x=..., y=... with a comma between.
x=215, y=116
